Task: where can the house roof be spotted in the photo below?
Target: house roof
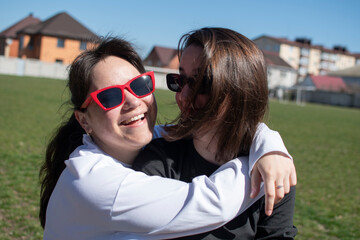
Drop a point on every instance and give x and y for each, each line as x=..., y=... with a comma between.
x=305, y=45
x=273, y=59
x=60, y=25
x=10, y=32
x=165, y=54
x=329, y=83
x=347, y=72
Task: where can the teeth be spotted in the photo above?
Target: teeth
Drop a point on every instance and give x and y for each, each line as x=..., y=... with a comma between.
x=134, y=119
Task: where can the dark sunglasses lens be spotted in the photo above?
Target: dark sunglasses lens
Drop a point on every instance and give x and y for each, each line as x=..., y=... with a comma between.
x=110, y=97
x=172, y=81
x=142, y=86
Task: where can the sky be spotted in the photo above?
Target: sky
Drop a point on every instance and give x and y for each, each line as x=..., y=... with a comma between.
x=162, y=22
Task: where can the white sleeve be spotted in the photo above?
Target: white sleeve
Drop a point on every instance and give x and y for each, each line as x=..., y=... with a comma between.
x=265, y=141
x=160, y=208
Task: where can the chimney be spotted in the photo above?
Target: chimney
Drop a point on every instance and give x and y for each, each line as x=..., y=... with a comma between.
x=340, y=48
x=306, y=41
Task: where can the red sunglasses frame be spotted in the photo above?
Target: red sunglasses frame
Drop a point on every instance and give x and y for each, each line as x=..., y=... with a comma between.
x=93, y=95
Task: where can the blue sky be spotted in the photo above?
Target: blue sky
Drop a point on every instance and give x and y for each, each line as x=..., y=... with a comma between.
x=162, y=22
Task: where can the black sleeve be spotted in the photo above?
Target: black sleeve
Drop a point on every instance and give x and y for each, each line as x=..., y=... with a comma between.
x=280, y=224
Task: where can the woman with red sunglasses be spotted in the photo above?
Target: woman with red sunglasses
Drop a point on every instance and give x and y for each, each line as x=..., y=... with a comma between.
x=89, y=191
x=223, y=96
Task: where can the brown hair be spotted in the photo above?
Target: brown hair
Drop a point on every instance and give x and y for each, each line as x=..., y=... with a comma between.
x=69, y=135
x=234, y=69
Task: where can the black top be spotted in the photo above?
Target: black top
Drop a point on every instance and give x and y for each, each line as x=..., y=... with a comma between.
x=179, y=160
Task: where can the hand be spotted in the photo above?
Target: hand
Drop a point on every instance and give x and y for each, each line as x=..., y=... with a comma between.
x=278, y=173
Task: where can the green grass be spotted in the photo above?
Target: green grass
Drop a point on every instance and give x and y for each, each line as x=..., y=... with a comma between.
x=323, y=140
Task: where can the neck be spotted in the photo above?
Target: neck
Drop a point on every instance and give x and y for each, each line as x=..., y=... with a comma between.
x=126, y=156
x=206, y=146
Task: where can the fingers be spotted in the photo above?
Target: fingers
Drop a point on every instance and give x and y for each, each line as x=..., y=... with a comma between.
x=280, y=187
x=293, y=177
x=269, y=197
x=255, y=182
x=286, y=185
x=279, y=174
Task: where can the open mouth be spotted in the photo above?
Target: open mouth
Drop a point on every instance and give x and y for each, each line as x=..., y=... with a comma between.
x=133, y=120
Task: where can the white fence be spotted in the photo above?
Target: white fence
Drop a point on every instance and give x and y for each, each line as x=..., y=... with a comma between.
x=332, y=98
x=32, y=67
x=36, y=68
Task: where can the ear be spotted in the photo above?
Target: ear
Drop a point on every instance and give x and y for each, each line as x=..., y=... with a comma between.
x=82, y=119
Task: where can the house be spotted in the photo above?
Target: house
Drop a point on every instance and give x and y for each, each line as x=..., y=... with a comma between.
x=306, y=58
x=9, y=41
x=162, y=57
x=58, y=39
x=329, y=90
x=351, y=77
x=279, y=73
x=324, y=83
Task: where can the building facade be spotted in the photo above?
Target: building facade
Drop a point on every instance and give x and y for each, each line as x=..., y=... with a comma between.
x=9, y=41
x=58, y=39
x=306, y=58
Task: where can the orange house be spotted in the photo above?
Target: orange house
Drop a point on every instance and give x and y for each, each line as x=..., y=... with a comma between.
x=58, y=39
x=162, y=57
x=9, y=42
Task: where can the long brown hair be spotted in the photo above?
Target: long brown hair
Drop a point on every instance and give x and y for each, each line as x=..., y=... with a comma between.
x=69, y=135
x=235, y=73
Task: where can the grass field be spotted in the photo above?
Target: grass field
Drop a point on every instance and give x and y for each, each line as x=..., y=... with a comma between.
x=324, y=141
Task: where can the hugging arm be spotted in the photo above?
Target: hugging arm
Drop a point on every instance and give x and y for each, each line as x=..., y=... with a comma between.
x=270, y=162
x=166, y=208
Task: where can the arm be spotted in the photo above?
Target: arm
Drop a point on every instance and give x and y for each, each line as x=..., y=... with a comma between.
x=180, y=208
x=135, y=205
x=270, y=161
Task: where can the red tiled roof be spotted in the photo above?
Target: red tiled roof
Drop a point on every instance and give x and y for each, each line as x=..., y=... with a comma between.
x=329, y=83
x=10, y=32
x=60, y=25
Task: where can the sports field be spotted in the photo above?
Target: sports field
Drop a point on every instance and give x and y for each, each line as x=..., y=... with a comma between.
x=324, y=141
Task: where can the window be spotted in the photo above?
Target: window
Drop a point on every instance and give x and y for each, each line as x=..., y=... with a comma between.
x=21, y=44
x=60, y=43
x=82, y=45
x=282, y=73
x=305, y=51
x=30, y=45
x=59, y=61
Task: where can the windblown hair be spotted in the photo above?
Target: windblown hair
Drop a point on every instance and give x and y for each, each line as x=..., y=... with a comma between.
x=69, y=135
x=235, y=76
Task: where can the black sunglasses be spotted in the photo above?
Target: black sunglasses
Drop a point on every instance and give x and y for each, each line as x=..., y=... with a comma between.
x=176, y=82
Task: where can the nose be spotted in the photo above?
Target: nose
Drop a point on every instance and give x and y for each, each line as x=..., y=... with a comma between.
x=130, y=101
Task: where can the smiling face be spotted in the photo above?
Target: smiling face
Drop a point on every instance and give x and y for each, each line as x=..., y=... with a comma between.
x=123, y=131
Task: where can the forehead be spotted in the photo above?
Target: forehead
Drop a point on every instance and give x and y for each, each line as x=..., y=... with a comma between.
x=112, y=71
x=189, y=61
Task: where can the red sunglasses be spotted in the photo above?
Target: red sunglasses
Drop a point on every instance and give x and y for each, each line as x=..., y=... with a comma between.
x=113, y=96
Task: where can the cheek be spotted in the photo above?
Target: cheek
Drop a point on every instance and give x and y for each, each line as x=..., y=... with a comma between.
x=201, y=100
x=182, y=97
x=150, y=102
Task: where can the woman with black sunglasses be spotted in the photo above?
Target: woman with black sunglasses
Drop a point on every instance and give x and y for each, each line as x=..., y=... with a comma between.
x=223, y=97
x=89, y=191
